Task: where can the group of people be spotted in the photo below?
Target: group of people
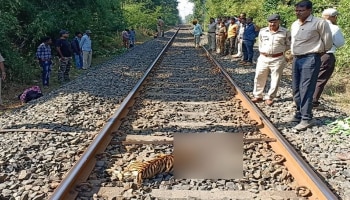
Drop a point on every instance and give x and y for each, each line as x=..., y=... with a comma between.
x=228, y=34
x=128, y=38
x=311, y=40
x=80, y=47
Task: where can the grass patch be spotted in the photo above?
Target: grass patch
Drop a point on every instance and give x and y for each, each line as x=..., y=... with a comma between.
x=340, y=126
x=337, y=91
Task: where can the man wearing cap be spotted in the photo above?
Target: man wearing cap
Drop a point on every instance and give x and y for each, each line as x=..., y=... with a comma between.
x=85, y=45
x=328, y=59
x=311, y=38
x=64, y=50
x=274, y=40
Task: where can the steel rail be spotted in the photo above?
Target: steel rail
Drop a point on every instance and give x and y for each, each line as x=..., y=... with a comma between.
x=78, y=173
x=300, y=169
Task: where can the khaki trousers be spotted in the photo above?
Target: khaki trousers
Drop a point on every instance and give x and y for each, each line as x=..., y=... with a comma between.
x=212, y=41
x=264, y=67
x=87, y=56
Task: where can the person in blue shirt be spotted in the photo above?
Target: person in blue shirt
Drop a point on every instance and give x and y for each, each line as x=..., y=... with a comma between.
x=251, y=31
x=197, y=32
x=85, y=45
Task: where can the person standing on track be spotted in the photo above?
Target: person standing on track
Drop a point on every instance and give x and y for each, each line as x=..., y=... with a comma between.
x=274, y=40
x=251, y=31
x=328, y=59
x=311, y=38
x=64, y=50
x=44, y=55
x=217, y=32
x=211, y=35
x=197, y=32
x=231, y=36
x=78, y=56
x=85, y=45
x=241, y=24
x=222, y=38
x=160, y=27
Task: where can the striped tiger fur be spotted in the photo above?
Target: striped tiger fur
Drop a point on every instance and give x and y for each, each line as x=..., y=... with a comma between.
x=161, y=164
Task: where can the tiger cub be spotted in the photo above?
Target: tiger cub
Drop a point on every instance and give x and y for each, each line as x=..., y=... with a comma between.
x=162, y=164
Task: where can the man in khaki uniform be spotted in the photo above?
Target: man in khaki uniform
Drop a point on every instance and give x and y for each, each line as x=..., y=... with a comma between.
x=3, y=75
x=274, y=40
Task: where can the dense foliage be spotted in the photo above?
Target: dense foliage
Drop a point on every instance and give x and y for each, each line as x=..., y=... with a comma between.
x=259, y=10
x=24, y=22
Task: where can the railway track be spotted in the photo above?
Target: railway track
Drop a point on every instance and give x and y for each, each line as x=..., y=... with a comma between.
x=183, y=92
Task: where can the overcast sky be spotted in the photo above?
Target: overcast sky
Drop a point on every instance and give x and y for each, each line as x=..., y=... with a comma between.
x=185, y=8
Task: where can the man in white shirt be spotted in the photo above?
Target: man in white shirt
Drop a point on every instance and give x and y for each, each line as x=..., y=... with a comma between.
x=328, y=59
x=239, y=40
x=212, y=35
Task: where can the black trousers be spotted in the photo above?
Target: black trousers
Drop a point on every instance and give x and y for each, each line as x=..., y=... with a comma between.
x=326, y=70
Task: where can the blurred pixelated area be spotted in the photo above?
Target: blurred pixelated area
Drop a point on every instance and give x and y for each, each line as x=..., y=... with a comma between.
x=208, y=155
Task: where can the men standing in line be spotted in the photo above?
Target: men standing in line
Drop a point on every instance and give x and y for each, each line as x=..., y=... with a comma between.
x=44, y=56
x=85, y=45
x=211, y=35
x=311, y=38
x=3, y=76
x=328, y=59
x=64, y=50
x=231, y=36
x=274, y=40
x=160, y=27
x=78, y=57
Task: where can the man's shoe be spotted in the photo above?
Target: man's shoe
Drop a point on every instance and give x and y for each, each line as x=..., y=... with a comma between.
x=294, y=119
x=257, y=99
x=304, y=124
x=269, y=102
x=242, y=62
x=317, y=106
x=248, y=64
